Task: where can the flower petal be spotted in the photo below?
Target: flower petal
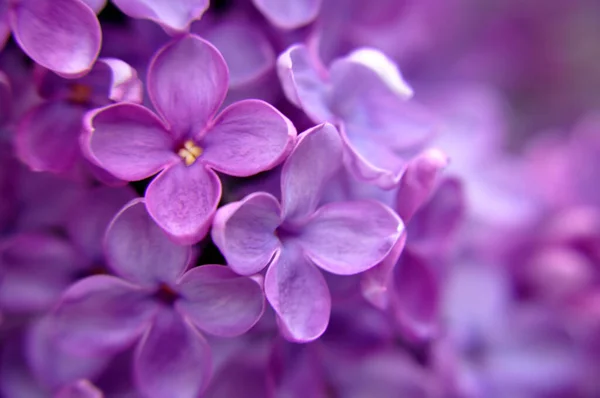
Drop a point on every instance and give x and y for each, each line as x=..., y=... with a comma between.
x=48, y=137
x=6, y=100
x=289, y=14
x=313, y=162
x=95, y=5
x=182, y=200
x=187, y=83
x=220, y=302
x=102, y=314
x=299, y=295
x=346, y=238
x=303, y=82
x=128, y=141
x=245, y=232
x=172, y=14
x=80, y=389
x=173, y=359
x=139, y=251
x=125, y=84
x=247, y=138
x=61, y=35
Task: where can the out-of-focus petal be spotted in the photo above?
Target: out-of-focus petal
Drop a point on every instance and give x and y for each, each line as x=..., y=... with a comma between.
x=245, y=232
x=173, y=359
x=289, y=14
x=174, y=15
x=182, y=200
x=299, y=295
x=314, y=161
x=5, y=98
x=304, y=82
x=129, y=141
x=48, y=137
x=80, y=389
x=102, y=314
x=187, y=83
x=125, y=84
x=419, y=181
x=61, y=35
x=4, y=23
x=220, y=302
x=139, y=251
x=246, y=138
x=350, y=237
x=96, y=5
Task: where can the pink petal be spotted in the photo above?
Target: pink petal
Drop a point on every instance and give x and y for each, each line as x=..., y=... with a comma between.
x=247, y=138
x=347, y=238
x=289, y=14
x=48, y=137
x=245, y=232
x=299, y=295
x=129, y=141
x=139, y=251
x=219, y=301
x=185, y=95
x=61, y=35
x=175, y=15
x=173, y=359
x=313, y=162
x=182, y=200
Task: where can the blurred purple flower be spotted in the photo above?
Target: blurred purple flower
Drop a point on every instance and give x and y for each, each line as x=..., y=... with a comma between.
x=175, y=16
x=187, y=82
x=343, y=238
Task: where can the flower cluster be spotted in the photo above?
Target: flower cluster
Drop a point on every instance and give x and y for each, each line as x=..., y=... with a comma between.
x=248, y=198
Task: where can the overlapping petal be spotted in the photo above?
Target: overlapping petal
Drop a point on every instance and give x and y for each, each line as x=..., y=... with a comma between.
x=61, y=35
x=174, y=15
x=314, y=161
x=187, y=83
x=182, y=200
x=220, y=302
x=173, y=359
x=129, y=141
x=246, y=138
x=245, y=232
x=289, y=14
x=80, y=389
x=350, y=237
x=139, y=251
x=299, y=295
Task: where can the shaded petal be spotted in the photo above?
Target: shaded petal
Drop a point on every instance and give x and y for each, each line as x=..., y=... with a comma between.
x=128, y=141
x=346, y=238
x=245, y=232
x=289, y=14
x=220, y=302
x=173, y=359
x=182, y=200
x=80, y=389
x=5, y=96
x=313, y=162
x=247, y=138
x=61, y=35
x=48, y=137
x=171, y=14
x=102, y=314
x=419, y=182
x=125, y=83
x=416, y=298
x=299, y=295
x=303, y=82
x=139, y=251
x=187, y=83
x=95, y=5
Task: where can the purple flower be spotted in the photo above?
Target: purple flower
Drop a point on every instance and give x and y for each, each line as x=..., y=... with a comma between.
x=295, y=237
x=289, y=14
x=365, y=95
x=61, y=35
x=80, y=389
x=175, y=16
x=187, y=82
x=153, y=301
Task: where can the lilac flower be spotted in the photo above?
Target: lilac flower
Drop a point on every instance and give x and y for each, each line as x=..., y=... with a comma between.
x=48, y=135
x=187, y=82
x=365, y=95
x=289, y=14
x=61, y=35
x=295, y=237
x=80, y=389
x=153, y=301
x=175, y=16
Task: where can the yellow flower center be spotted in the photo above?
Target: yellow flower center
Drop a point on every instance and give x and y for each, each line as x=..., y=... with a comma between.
x=80, y=93
x=190, y=152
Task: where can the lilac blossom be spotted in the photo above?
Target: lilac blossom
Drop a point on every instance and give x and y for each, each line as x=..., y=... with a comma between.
x=154, y=301
x=289, y=14
x=189, y=141
x=295, y=236
x=175, y=16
